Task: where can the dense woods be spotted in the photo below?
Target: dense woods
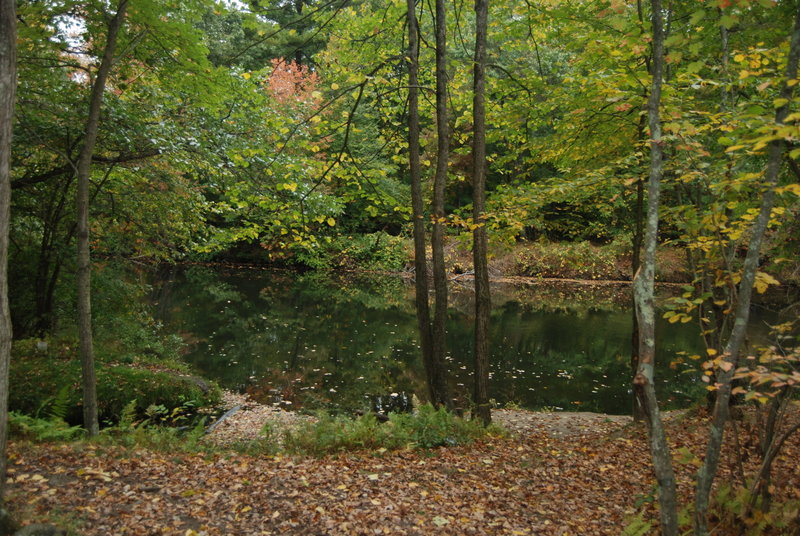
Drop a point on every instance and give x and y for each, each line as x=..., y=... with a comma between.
x=390, y=136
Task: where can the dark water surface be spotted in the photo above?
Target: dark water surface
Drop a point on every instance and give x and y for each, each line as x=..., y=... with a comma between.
x=324, y=341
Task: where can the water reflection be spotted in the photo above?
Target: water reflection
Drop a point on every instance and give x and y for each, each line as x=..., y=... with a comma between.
x=324, y=341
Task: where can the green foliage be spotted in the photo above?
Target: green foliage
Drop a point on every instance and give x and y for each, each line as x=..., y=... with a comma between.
x=730, y=504
x=154, y=436
x=41, y=381
x=637, y=526
x=571, y=260
x=21, y=426
x=377, y=251
x=428, y=428
x=60, y=404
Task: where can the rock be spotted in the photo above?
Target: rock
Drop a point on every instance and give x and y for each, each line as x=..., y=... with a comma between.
x=201, y=383
x=38, y=529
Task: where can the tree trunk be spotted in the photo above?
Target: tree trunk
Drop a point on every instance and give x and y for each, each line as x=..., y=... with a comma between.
x=636, y=245
x=420, y=262
x=644, y=283
x=706, y=474
x=90, y=413
x=437, y=239
x=479, y=239
x=8, y=84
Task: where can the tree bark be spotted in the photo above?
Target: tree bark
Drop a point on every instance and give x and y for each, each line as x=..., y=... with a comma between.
x=636, y=245
x=418, y=215
x=479, y=238
x=733, y=347
x=644, y=283
x=90, y=412
x=8, y=84
x=437, y=239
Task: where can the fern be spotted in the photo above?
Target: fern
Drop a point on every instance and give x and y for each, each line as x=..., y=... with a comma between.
x=60, y=406
x=128, y=417
x=637, y=526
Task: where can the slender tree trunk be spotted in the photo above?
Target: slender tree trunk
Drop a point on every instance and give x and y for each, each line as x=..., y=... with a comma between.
x=479, y=239
x=437, y=238
x=420, y=262
x=8, y=84
x=644, y=283
x=636, y=245
x=706, y=474
x=90, y=413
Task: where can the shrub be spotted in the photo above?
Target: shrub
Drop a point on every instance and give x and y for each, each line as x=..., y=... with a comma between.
x=132, y=432
x=37, y=380
x=41, y=430
x=378, y=251
x=428, y=428
x=579, y=260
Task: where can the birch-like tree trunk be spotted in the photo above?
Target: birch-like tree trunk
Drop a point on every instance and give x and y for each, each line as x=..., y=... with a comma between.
x=418, y=213
x=90, y=413
x=479, y=239
x=733, y=347
x=644, y=283
x=8, y=85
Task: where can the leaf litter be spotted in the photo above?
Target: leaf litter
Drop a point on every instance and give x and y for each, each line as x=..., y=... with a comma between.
x=558, y=474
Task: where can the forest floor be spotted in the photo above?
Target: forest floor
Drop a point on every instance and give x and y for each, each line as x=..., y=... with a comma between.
x=555, y=474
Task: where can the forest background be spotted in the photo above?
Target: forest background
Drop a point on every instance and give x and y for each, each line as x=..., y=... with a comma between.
x=277, y=133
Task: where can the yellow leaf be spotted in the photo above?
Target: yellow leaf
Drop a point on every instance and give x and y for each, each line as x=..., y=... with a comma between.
x=334, y=86
x=246, y=76
x=793, y=188
x=331, y=222
x=763, y=281
x=711, y=351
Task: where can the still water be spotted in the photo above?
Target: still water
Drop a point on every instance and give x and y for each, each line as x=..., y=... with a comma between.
x=322, y=341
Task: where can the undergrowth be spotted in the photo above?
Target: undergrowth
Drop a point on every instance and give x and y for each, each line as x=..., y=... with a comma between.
x=41, y=430
x=428, y=428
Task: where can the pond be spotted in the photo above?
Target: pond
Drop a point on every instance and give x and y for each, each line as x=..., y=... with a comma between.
x=320, y=341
